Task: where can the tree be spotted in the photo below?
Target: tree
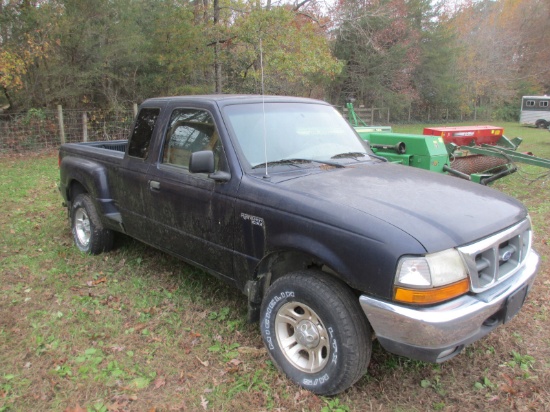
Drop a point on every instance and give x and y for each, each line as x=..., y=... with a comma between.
x=293, y=49
x=12, y=69
x=434, y=77
x=380, y=49
x=504, y=50
x=99, y=52
x=24, y=46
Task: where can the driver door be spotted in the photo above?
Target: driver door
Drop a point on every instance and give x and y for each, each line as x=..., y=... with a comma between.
x=193, y=213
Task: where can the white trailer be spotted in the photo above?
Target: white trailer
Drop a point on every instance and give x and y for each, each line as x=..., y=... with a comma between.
x=535, y=111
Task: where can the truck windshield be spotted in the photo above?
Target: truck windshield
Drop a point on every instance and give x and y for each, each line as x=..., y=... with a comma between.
x=276, y=133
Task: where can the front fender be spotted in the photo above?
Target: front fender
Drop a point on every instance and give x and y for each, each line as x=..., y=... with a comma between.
x=365, y=264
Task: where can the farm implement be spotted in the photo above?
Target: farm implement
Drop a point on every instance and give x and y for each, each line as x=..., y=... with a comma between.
x=481, y=154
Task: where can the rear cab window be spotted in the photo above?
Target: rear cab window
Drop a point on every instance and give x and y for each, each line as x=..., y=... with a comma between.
x=144, y=126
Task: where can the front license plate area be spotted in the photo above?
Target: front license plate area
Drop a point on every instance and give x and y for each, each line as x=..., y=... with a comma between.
x=514, y=303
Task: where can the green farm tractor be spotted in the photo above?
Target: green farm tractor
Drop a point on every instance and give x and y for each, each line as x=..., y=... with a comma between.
x=481, y=154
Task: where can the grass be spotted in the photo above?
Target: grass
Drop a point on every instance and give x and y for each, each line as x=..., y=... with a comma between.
x=135, y=329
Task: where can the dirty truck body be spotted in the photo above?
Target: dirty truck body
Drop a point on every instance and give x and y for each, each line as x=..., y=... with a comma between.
x=331, y=244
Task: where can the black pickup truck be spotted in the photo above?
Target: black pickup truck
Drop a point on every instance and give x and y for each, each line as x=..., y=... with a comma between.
x=332, y=245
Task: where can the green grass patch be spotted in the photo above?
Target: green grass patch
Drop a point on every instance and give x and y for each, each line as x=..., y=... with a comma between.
x=136, y=329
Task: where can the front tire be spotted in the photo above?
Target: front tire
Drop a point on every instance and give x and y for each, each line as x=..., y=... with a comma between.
x=89, y=234
x=315, y=332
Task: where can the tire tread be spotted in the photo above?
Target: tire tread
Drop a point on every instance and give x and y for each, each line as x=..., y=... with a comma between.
x=356, y=330
x=102, y=239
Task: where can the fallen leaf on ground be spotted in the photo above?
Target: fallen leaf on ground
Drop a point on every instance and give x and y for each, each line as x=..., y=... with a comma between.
x=509, y=380
x=139, y=327
x=77, y=408
x=235, y=362
x=508, y=389
x=97, y=281
x=160, y=381
x=204, y=402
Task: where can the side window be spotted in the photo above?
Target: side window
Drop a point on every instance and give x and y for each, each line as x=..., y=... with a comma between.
x=142, y=133
x=543, y=103
x=189, y=131
x=530, y=103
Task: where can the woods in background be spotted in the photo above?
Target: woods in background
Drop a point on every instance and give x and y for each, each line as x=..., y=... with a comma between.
x=386, y=53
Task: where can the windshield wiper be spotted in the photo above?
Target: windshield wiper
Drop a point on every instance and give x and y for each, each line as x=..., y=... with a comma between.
x=295, y=161
x=281, y=162
x=353, y=155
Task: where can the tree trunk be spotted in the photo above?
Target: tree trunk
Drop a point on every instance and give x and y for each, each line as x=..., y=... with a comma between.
x=8, y=97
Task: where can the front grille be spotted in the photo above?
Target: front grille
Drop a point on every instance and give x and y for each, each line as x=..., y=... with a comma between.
x=494, y=259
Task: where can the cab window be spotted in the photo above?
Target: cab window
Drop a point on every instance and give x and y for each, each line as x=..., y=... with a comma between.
x=143, y=132
x=189, y=131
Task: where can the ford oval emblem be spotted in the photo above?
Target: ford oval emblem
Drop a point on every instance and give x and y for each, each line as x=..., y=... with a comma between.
x=506, y=256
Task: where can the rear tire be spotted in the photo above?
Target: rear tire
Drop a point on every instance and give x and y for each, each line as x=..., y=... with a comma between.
x=315, y=332
x=542, y=124
x=89, y=234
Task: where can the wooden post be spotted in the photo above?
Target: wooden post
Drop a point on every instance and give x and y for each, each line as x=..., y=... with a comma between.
x=61, y=125
x=410, y=105
x=388, y=121
x=372, y=115
x=84, y=127
x=135, y=109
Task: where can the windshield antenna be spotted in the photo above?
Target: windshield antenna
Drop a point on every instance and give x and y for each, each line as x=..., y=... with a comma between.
x=263, y=107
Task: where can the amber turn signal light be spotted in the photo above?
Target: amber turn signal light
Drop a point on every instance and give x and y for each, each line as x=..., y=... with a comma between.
x=430, y=296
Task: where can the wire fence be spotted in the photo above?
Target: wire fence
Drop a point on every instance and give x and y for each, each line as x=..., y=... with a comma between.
x=418, y=114
x=38, y=129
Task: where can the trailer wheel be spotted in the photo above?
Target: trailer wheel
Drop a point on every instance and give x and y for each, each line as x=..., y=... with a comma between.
x=315, y=332
x=89, y=234
x=542, y=124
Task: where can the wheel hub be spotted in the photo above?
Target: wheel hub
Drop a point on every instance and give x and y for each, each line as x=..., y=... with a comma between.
x=302, y=337
x=307, y=334
x=82, y=226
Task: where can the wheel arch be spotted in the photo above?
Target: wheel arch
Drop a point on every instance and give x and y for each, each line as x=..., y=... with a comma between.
x=85, y=176
x=74, y=189
x=281, y=262
x=278, y=263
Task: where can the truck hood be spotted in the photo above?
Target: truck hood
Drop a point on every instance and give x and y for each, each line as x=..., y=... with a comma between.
x=437, y=210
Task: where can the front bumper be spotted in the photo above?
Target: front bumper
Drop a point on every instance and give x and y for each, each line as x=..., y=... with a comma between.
x=437, y=333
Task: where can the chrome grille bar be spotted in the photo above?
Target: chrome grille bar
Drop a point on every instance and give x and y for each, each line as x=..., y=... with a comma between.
x=496, y=258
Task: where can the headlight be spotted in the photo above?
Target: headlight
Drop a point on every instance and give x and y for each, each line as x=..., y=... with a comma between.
x=431, y=279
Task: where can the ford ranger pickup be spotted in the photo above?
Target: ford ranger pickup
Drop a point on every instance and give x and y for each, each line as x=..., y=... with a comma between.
x=332, y=245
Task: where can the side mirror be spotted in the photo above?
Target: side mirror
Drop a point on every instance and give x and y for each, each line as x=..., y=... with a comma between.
x=202, y=162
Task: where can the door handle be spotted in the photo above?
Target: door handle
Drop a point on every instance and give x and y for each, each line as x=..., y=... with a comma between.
x=154, y=185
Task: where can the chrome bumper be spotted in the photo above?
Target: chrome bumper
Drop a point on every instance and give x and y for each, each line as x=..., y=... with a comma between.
x=438, y=333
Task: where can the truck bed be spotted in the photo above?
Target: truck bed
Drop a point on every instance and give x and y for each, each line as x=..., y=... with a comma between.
x=114, y=149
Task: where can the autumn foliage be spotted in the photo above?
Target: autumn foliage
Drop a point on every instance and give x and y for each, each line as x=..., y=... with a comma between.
x=459, y=55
